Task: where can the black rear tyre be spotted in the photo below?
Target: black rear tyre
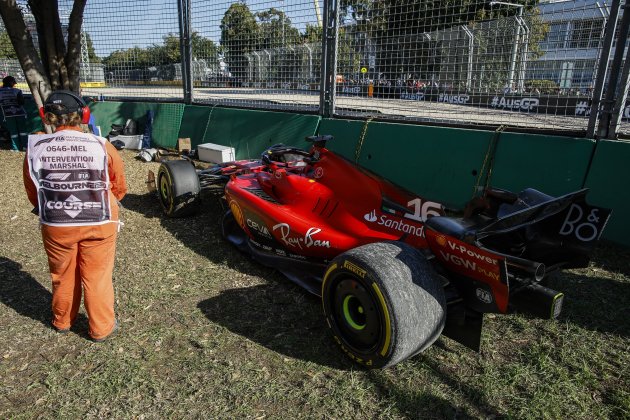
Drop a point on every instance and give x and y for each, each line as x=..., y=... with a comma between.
x=178, y=188
x=383, y=303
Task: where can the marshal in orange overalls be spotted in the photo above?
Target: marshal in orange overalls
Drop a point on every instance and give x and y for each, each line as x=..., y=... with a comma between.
x=82, y=257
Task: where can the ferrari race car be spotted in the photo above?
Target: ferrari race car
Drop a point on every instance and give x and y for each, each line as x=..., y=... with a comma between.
x=394, y=272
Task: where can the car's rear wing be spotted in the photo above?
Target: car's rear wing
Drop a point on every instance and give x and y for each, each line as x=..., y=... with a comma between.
x=557, y=230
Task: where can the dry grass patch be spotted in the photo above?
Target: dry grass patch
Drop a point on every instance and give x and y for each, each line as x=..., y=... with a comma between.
x=205, y=332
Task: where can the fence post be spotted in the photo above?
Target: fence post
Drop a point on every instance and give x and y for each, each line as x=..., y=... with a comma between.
x=611, y=115
x=329, y=58
x=602, y=68
x=185, y=48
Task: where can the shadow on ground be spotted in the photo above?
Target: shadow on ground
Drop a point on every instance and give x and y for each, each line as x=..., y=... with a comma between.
x=287, y=323
x=201, y=233
x=20, y=291
x=415, y=403
x=595, y=303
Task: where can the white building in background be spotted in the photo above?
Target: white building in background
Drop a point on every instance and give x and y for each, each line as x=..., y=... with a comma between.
x=573, y=43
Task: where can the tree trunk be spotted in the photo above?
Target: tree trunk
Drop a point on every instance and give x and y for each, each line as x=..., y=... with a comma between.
x=73, y=53
x=58, y=65
x=22, y=42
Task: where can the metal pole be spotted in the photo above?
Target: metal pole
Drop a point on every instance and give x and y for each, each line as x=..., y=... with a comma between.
x=318, y=14
x=329, y=59
x=471, y=46
x=517, y=36
x=183, y=7
x=603, y=67
x=620, y=105
x=607, y=105
x=524, y=53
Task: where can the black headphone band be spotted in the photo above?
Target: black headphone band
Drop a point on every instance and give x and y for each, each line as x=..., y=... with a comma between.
x=77, y=98
x=80, y=102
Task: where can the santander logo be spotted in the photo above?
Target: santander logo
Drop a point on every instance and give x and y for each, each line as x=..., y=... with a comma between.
x=371, y=216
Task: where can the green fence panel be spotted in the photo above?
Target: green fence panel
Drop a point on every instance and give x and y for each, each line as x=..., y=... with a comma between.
x=552, y=164
x=347, y=134
x=166, y=121
x=440, y=164
x=251, y=132
x=33, y=120
x=194, y=123
x=607, y=177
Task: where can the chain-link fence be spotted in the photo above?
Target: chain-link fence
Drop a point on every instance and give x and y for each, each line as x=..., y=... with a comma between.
x=528, y=64
x=266, y=54
x=513, y=63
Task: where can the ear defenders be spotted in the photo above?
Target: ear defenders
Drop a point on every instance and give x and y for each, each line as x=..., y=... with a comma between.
x=70, y=101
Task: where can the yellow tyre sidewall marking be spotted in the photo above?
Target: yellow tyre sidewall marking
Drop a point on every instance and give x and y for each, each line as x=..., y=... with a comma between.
x=381, y=299
x=170, y=199
x=388, y=333
x=327, y=275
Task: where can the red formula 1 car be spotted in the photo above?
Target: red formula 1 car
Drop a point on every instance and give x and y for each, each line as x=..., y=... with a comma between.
x=393, y=271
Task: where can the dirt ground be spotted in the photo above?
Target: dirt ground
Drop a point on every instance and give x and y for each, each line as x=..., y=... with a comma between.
x=206, y=332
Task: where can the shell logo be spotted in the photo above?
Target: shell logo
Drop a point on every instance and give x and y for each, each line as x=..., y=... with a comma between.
x=238, y=213
x=441, y=240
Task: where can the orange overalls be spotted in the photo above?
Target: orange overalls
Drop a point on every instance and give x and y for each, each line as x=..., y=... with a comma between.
x=83, y=256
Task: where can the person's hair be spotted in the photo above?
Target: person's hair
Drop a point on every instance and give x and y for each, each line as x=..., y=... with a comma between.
x=8, y=81
x=71, y=119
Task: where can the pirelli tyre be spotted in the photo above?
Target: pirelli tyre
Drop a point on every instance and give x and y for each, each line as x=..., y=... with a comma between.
x=178, y=188
x=383, y=303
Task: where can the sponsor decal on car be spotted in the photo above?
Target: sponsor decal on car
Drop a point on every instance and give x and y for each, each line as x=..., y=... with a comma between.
x=483, y=295
x=464, y=264
x=458, y=247
x=259, y=228
x=307, y=241
x=584, y=227
x=354, y=268
x=319, y=172
x=398, y=225
x=237, y=213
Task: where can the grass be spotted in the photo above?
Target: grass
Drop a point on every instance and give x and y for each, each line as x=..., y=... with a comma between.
x=205, y=332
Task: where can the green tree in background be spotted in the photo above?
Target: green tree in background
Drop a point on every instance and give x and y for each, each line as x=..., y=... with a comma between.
x=275, y=30
x=312, y=34
x=6, y=49
x=57, y=63
x=394, y=26
x=239, y=36
x=138, y=58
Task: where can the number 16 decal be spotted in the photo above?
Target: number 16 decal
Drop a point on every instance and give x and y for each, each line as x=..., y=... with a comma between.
x=422, y=211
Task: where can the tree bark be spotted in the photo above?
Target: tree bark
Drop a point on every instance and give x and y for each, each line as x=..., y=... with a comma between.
x=22, y=42
x=73, y=53
x=58, y=65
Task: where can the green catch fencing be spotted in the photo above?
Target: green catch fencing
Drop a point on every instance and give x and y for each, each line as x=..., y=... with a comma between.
x=167, y=118
x=250, y=132
x=608, y=173
x=438, y=163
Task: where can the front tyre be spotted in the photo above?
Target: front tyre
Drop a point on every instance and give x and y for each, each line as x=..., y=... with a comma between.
x=383, y=303
x=178, y=188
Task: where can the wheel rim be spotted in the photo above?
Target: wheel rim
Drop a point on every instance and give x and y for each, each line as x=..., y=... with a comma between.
x=165, y=191
x=357, y=314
